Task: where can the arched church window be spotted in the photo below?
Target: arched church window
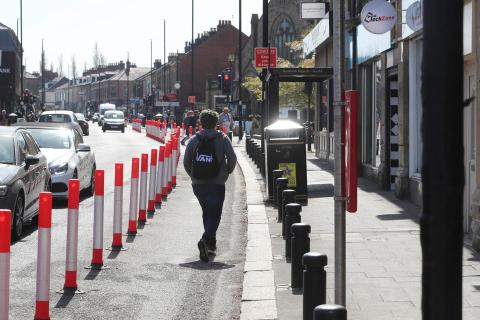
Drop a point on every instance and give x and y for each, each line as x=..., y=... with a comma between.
x=284, y=33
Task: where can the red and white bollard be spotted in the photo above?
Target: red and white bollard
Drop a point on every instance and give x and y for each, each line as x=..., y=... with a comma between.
x=152, y=182
x=170, y=165
x=42, y=308
x=132, y=221
x=142, y=210
x=175, y=161
x=158, y=181
x=164, y=173
x=5, y=232
x=71, y=264
x=98, y=214
x=117, y=243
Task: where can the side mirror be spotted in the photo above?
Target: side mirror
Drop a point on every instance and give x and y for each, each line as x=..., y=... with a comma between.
x=31, y=160
x=83, y=148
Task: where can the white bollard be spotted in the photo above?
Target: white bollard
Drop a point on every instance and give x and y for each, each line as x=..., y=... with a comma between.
x=132, y=221
x=152, y=182
x=142, y=210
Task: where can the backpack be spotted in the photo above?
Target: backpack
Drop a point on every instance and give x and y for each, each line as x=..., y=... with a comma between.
x=205, y=162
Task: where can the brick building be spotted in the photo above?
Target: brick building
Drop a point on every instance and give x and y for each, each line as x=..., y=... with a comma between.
x=212, y=50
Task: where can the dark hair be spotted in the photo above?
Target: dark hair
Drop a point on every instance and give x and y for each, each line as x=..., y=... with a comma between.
x=208, y=119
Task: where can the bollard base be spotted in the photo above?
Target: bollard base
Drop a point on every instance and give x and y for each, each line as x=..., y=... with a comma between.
x=70, y=291
x=116, y=249
x=97, y=267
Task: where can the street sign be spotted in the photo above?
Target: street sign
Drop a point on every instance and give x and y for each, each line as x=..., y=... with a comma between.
x=262, y=58
x=378, y=16
x=313, y=10
x=191, y=99
x=414, y=16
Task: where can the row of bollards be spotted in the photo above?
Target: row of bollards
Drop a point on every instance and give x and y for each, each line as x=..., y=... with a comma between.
x=255, y=152
x=307, y=268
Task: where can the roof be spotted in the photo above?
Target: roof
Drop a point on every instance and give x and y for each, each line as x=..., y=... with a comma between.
x=58, y=112
x=4, y=130
x=8, y=39
x=135, y=73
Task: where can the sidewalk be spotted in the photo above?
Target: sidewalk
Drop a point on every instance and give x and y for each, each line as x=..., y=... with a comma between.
x=384, y=258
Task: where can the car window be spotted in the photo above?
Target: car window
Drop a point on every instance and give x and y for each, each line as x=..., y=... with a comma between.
x=75, y=119
x=55, y=118
x=31, y=145
x=22, y=148
x=53, y=139
x=7, y=153
x=114, y=115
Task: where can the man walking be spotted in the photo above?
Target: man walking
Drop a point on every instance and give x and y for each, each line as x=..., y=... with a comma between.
x=209, y=159
x=226, y=121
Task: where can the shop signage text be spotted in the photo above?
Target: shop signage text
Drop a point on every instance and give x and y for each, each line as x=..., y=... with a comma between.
x=313, y=10
x=378, y=16
x=262, y=59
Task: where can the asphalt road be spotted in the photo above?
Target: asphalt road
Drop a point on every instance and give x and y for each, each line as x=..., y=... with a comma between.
x=159, y=276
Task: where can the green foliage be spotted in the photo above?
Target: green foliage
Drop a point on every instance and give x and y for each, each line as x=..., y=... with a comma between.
x=254, y=85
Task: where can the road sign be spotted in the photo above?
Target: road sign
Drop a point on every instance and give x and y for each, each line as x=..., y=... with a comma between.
x=191, y=99
x=262, y=59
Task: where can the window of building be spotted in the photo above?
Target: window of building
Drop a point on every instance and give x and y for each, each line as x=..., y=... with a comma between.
x=415, y=110
x=371, y=99
x=283, y=34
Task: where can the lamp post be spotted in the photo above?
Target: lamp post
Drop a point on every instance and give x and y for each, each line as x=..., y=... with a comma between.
x=240, y=129
x=164, y=57
x=193, y=49
x=21, y=48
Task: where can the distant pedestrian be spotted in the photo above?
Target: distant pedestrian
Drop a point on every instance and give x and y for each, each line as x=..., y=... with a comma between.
x=4, y=118
x=209, y=159
x=226, y=122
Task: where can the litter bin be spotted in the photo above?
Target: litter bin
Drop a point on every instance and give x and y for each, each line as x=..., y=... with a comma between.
x=285, y=150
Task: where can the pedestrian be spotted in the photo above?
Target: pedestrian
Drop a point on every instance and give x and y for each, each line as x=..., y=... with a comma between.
x=226, y=122
x=209, y=160
x=4, y=118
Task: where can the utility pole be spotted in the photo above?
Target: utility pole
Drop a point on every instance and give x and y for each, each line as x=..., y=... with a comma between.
x=339, y=114
x=151, y=73
x=164, y=57
x=21, y=48
x=240, y=133
x=43, y=76
x=193, y=50
x=265, y=43
x=443, y=175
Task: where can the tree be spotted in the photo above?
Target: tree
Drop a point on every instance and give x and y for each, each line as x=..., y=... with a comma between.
x=98, y=57
x=74, y=67
x=60, y=66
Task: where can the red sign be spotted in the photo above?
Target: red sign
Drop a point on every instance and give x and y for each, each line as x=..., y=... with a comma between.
x=351, y=118
x=172, y=96
x=262, y=60
x=191, y=99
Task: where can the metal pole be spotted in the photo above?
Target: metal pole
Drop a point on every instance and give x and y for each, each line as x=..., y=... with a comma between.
x=193, y=50
x=443, y=175
x=240, y=133
x=43, y=76
x=164, y=57
x=151, y=71
x=265, y=43
x=338, y=86
x=21, y=49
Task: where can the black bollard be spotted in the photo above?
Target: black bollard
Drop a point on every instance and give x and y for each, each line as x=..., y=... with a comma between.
x=248, y=141
x=275, y=175
x=300, y=246
x=314, y=282
x=281, y=185
x=288, y=196
x=330, y=312
x=292, y=215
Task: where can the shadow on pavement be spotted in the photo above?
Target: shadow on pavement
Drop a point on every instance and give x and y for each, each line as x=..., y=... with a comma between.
x=200, y=265
x=397, y=216
x=92, y=274
x=131, y=237
x=27, y=230
x=320, y=190
x=297, y=291
x=113, y=254
x=63, y=203
x=64, y=301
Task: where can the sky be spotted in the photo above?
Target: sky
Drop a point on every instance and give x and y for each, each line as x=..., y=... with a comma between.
x=71, y=27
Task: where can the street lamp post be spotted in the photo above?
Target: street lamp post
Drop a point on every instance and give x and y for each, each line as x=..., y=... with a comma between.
x=43, y=75
x=21, y=48
x=240, y=130
x=151, y=73
x=164, y=57
x=193, y=49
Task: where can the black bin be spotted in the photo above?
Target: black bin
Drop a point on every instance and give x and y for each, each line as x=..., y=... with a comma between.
x=285, y=150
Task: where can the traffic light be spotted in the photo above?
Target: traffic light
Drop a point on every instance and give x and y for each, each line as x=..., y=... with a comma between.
x=226, y=82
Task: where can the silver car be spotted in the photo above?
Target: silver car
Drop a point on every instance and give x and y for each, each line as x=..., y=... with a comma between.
x=113, y=120
x=67, y=156
x=60, y=116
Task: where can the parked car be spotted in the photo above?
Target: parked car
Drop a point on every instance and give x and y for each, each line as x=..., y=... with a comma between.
x=95, y=117
x=60, y=116
x=67, y=155
x=82, y=121
x=113, y=120
x=23, y=175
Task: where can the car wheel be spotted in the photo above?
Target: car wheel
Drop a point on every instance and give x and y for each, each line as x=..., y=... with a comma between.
x=18, y=212
x=103, y=129
x=123, y=130
x=91, y=189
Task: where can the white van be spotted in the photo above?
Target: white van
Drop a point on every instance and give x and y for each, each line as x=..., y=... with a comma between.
x=105, y=107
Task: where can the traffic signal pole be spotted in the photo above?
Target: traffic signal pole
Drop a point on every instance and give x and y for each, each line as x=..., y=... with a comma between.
x=339, y=174
x=240, y=129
